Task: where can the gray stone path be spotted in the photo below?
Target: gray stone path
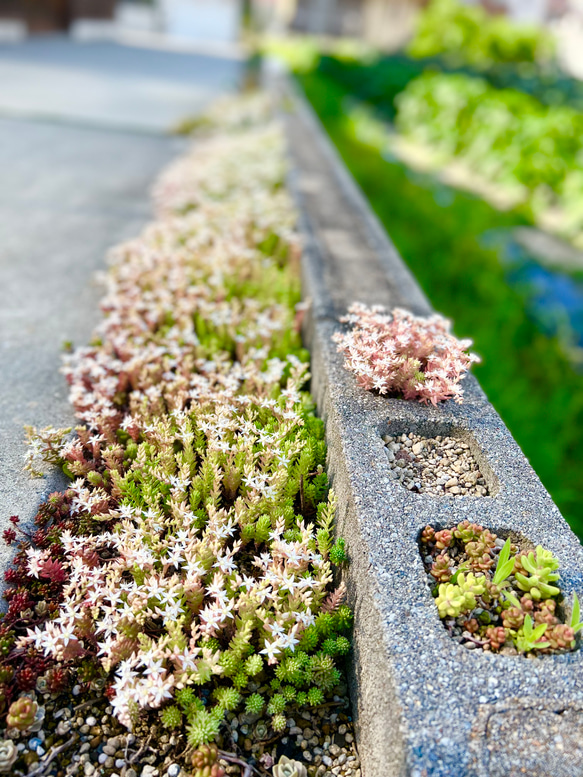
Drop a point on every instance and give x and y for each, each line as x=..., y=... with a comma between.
x=106, y=84
x=67, y=194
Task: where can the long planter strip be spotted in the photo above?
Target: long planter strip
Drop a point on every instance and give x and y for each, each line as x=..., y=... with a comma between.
x=424, y=705
x=184, y=580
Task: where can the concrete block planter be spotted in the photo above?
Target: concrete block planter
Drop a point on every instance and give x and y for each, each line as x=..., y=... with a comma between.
x=424, y=705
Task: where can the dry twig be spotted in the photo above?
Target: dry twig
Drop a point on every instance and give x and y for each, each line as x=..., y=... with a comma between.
x=52, y=754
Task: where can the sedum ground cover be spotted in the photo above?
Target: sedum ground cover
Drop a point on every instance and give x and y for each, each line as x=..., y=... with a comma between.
x=188, y=570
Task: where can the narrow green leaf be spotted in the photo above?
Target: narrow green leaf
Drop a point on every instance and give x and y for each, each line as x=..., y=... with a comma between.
x=511, y=598
x=575, y=624
x=505, y=564
x=539, y=631
x=504, y=553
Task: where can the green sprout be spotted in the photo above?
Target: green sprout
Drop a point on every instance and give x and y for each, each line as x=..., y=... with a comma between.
x=528, y=638
x=541, y=569
x=576, y=623
x=452, y=599
x=505, y=565
x=171, y=717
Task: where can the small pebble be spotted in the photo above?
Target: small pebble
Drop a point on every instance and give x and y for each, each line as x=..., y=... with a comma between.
x=431, y=464
x=63, y=728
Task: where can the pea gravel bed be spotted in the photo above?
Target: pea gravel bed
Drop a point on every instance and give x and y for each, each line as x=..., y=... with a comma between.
x=442, y=466
x=87, y=739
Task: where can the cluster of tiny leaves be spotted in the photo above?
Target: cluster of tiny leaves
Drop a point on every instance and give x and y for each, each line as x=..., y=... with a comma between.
x=498, y=596
x=404, y=355
x=193, y=559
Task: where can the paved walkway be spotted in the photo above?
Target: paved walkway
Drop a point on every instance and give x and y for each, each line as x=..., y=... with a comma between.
x=70, y=188
x=107, y=84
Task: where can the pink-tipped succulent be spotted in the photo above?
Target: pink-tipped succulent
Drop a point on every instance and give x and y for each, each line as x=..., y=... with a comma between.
x=22, y=713
x=404, y=355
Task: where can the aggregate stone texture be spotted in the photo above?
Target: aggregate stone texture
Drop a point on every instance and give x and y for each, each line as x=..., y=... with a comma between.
x=424, y=705
x=71, y=188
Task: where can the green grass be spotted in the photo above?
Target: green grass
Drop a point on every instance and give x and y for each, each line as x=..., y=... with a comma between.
x=526, y=374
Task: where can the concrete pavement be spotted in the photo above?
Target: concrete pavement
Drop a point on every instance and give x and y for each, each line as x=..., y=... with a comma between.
x=107, y=84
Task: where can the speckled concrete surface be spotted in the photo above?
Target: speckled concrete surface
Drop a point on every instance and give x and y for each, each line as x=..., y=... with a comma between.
x=425, y=706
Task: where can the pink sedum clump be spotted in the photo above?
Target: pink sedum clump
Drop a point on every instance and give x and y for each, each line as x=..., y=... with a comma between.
x=404, y=355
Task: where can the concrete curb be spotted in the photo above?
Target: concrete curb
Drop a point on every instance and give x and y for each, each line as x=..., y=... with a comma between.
x=424, y=705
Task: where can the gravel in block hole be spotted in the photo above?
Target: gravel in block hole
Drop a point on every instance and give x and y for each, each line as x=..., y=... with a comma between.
x=441, y=466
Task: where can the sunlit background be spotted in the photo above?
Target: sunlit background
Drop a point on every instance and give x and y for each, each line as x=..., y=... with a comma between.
x=462, y=122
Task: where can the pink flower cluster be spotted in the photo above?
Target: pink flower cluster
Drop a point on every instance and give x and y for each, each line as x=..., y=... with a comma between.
x=191, y=435
x=404, y=355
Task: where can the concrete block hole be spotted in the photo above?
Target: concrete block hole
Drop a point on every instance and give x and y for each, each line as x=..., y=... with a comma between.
x=437, y=460
x=486, y=616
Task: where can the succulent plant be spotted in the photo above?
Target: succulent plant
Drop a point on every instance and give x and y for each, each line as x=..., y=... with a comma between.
x=560, y=636
x=171, y=717
x=278, y=722
x=204, y=761
x=261, y=730
x=443, y=539
x=441, y=568
x=468, y=532
x=254, y=704
x=541, y=566
x=529, y=638
x=315, y=696
x=286, y=767
x=497, y=637
x=8, y=755
x=515, y=599
x=453, y=600
x=546, y=612
x=513, y=618
x=476, y=549
x=482, y=563
x=428, y=534
x=403, y=354
x=22, y=713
